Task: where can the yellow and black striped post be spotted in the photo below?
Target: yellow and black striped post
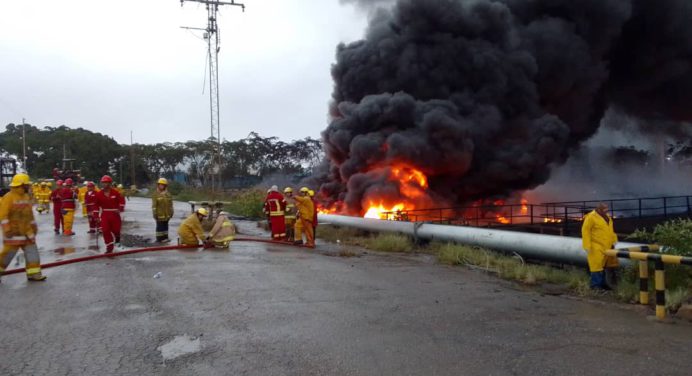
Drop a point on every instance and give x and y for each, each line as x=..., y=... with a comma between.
x=660, y=290
x=643, y=282
x=639, y=253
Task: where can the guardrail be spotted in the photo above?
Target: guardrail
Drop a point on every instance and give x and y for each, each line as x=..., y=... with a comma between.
x=642, y=254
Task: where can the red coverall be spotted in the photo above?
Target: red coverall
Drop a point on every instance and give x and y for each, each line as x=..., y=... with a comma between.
x=92, y=210
x=275, y=206
x=111, y=203
x=57, y=209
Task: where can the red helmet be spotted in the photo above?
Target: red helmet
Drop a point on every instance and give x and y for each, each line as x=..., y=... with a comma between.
x=106, y=179
x=90, y=184
x=68, y=181
x=59, y=182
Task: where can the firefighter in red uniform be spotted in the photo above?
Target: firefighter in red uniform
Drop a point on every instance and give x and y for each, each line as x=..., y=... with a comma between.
x=57, y=206
x=69, y=198
x=111, y=203
x=91, y=208
x=274, y=206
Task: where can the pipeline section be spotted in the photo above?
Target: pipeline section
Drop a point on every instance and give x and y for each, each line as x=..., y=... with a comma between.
x=559, y=249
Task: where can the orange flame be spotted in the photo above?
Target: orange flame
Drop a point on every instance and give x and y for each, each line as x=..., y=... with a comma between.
x=524, y=206
x=380, y=212
x=412, y=185
x=502, y=219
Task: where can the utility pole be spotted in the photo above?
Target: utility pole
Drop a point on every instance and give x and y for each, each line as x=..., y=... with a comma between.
x=132, y=161
x=213, y=47
x=24, y=145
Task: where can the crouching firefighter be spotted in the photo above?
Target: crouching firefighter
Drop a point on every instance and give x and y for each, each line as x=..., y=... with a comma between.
x=223, y=231
x=19, y=228
x=190, y=231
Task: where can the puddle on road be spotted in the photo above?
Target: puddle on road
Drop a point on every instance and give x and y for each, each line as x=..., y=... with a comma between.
x=179, y=346
x=63, y=251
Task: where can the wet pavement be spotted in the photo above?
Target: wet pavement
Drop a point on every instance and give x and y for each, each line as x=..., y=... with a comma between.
x=264, y=309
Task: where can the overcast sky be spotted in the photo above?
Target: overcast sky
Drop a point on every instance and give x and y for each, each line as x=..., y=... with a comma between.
x=121, y=65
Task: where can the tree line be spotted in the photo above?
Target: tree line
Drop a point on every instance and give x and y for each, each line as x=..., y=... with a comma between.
x=249, y=159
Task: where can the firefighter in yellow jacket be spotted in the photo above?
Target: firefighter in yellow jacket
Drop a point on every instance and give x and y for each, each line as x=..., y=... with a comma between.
x=43, y=198
x=162, y=209
x=19, y=228
x=598, y=236
x=290, y=215
x=306, y=212
x=81, y=193
x=190, y=231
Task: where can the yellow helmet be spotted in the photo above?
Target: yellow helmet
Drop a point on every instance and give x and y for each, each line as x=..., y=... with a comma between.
x=288, y=190
x=43, y=184
x=305, y=190
x=311, y=193
x=19, y=180
x=120, y=186
x=202, y=211
x=162, y=181
x=49, y=184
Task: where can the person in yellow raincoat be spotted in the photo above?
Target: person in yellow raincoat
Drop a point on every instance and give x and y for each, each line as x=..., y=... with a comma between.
x=598, y=236
x=190, y=231
x=306, y=212
x=19, y=228
x=289, y=215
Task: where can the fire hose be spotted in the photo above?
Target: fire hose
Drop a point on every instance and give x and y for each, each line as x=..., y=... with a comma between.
x=136, y=250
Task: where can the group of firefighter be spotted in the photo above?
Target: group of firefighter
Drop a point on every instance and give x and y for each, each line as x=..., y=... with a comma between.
x=103, y=208
x=292, y=217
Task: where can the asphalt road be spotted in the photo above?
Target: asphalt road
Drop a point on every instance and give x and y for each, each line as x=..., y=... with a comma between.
x=263, y=309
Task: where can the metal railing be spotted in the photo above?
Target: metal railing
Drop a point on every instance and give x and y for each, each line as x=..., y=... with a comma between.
x=552, y=212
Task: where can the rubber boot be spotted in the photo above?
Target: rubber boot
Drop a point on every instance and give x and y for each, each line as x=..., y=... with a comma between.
x=38, y=277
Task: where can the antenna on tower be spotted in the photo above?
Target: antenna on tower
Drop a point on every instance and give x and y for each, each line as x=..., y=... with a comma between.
x=211, y=35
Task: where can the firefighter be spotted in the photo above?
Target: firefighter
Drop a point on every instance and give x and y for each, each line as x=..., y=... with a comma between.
x=311, y=193
x=110, y=203
x=598, y=236
x=34, y=192
x=306, y=210
x=43, y=198
x=68, y=199
x=81, y=193
x=91, y=207
x=190, y=231
x=162, y=208
x=57, y=207
x=289, y=215
x=19, y=228
x=223, y=231
x=274, y=205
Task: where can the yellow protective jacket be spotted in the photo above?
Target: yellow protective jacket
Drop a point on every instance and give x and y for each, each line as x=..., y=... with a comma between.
x=223, y=230
x=306, y=208
x=162, y=205
x=44, y=195
x=597, y=237
x=17, y=218
x=190, y=231
x=81, y=193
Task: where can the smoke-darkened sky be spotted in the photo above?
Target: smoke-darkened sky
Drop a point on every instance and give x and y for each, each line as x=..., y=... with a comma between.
x=487, y=97
x=117, y=66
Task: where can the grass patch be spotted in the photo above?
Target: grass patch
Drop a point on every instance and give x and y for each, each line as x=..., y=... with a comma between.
x=390, y=243
x=342, y=235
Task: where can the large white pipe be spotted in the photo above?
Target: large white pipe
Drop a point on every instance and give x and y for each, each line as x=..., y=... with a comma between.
x=561, y=249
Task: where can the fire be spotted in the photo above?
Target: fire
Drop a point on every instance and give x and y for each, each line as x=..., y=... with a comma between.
x=380, y=212
x=502, y=219
x=412, y=185
x=552, y=220
x=524, y=206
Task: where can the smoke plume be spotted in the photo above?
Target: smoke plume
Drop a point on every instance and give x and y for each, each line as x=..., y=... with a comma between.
x=486, y=97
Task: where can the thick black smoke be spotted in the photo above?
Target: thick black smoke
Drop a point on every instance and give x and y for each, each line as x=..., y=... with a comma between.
x=486, y=96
